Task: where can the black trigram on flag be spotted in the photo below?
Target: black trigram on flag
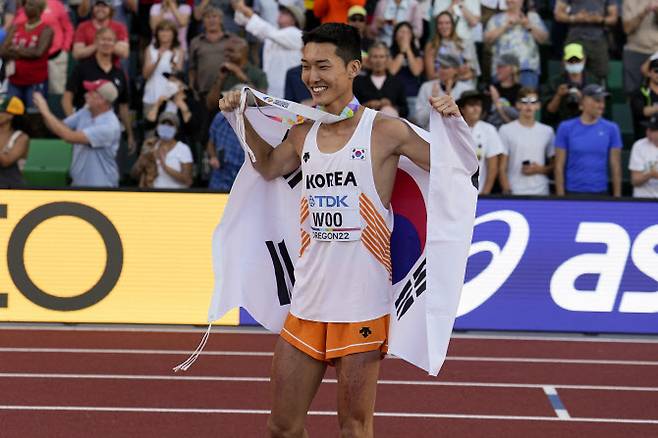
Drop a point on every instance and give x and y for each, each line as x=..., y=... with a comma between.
x=415, y=286
x=294, y=177
x=283, y=270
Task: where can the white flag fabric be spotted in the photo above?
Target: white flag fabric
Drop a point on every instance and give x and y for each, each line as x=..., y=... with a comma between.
x=256, y=244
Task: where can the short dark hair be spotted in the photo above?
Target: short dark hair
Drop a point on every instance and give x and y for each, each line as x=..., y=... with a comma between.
x=526, y=91
x=346, y=38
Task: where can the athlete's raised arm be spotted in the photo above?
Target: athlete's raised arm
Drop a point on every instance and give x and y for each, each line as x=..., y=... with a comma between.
x=411, y=145
x=270, y=162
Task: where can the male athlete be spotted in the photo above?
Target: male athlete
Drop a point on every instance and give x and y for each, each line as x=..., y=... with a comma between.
x=341, y=297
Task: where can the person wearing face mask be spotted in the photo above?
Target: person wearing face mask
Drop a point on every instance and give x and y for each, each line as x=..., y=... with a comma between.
x=164, y=162
x=564, y=91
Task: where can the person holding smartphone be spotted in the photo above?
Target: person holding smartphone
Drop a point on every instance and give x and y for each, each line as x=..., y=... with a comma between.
x=527, y=158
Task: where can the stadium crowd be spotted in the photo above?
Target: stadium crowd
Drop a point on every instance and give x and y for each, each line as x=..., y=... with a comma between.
x=561, y=95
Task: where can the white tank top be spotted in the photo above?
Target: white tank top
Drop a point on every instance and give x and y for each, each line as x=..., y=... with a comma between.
x=344, y=270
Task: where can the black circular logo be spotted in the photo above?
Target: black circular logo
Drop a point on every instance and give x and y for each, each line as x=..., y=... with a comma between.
x=16, y=256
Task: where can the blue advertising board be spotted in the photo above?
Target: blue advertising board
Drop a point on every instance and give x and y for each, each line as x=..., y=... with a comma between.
x=562, y=265
x=568, y=265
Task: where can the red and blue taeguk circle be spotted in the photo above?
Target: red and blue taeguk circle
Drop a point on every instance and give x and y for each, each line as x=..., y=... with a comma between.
x=410, y=229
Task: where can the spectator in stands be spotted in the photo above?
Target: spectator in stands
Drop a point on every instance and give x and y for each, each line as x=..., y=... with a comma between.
x=164, y=55
x=55, y=16
x=465, y=14
x=390, y=13
x=564, y=91
x=100, y=66
x=446, y=40
x=527, y=158
x=356, y=17
x=207, y=53
x=178, y=14
x=515, y=32
x=282, y=46
x=236, y=69
x=446, y=83
x=7, y=15
x=224, y=7
x=164, y=162
x=488, y=8
x=378, y=89
x=85, y=34
x=14, y=143
x=122, y=10
x=295, y=90
x=644, y=101
x=179, y=100
x=334, y=11
x=225, y=152
x=94, y=131
x=406, y=61
x=488, y=146
x=644, y=162
x=587, y=21
x=587, y=148
x=642, y=38
x=27, y=45
x=504, y=91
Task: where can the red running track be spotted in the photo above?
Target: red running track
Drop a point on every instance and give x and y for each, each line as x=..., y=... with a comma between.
x=85, y=382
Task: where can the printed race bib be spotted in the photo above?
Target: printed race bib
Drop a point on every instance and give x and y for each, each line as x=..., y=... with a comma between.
x=334, y=216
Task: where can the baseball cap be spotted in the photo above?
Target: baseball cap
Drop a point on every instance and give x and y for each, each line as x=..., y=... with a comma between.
x=469, y=95
x=356, y=10
x=652, y=123
x=295, y=11
x=12, y=105
x=595, y=91
x=170, y=117
x=107, y=3
x=448, y=60
x=508, y=59
x=103, y=87
x=653, y=61
x=573, y=50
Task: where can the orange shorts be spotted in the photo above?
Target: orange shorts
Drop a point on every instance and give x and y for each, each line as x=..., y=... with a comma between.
x=326, y=341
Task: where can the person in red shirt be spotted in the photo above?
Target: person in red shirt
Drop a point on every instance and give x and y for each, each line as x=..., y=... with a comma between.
x=27, y=46
x=101, y=16
x=57, y=18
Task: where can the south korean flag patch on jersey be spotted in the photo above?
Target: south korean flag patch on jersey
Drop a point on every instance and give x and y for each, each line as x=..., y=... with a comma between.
x=358, y=153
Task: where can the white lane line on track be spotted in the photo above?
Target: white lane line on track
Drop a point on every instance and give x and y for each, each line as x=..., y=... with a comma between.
x=540, y=360
x=513, y=336
x=266, y=379
x=319, y=413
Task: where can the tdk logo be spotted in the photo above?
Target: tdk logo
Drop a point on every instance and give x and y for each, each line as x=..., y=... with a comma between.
x=327, y=201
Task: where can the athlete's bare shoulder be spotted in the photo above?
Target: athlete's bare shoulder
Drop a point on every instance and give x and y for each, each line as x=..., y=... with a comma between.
x=297, y=134
x=391, y=131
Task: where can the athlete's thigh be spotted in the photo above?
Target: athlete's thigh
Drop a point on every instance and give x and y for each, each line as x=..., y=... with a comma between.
x=357, y=385
x=295, y=380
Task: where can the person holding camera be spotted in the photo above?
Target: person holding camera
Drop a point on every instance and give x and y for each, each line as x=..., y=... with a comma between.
x=564, y=91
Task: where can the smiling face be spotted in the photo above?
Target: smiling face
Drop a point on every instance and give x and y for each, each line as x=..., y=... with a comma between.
x=325, y=74
x=105, y=40
x=34, y=8
x=444, y=25
x=101, y=11
x=472, y=111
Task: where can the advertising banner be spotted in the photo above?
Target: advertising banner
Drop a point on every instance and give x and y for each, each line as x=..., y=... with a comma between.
x=107, y=256
x=562, y=265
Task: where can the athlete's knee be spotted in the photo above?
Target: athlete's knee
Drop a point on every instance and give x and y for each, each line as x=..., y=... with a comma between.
x=279, y=428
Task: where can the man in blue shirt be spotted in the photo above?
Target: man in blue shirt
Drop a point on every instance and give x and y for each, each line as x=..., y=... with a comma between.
x=225, y=152
x=587, y=148
x=95, y=133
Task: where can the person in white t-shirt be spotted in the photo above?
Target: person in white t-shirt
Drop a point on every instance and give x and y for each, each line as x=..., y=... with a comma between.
x=488, y=146
x=644, y=163
x=528, y=149
x=164, y=162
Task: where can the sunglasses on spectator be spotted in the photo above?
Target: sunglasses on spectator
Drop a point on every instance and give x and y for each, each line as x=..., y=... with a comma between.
x=357, y=18
x=528, y=100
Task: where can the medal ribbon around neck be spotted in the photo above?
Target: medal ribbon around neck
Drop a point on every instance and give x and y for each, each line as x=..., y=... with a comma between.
x=301, y=113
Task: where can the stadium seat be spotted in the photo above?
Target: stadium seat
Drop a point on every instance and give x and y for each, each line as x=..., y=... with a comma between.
x=621, y=114
x=554, y=68
x=48, y=163
x=615, y=75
